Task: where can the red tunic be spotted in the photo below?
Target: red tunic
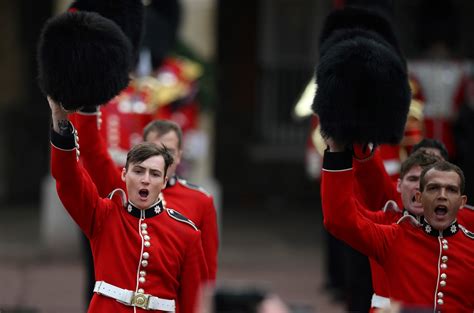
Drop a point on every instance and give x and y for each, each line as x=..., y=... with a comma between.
x=374, y=189
x=172, y=262
x=422, y=270
x=185, y=198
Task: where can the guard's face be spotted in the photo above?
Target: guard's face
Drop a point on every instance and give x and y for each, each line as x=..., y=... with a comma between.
x=145, y=181
x=441, y=198
x=408, y=187
x=171, y=141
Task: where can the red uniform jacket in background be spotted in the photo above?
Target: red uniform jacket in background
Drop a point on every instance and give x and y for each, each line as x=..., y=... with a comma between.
x=172, y=264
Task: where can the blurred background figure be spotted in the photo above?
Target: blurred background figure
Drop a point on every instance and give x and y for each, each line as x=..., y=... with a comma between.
x=441, y=70
x=463, y=130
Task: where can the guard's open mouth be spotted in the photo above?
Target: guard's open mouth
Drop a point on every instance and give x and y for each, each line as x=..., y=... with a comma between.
x=143, y=193
x=441, y=210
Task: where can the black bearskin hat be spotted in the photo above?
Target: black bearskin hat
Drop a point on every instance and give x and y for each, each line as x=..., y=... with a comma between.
x=127, y=14
x=346, y=34
x=367, y=19
x=363, y=91
x=162, y=19
x=83, y=59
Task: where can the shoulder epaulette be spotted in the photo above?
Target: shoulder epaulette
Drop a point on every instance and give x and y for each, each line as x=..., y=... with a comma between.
x=193, y=186
x=180, y=217
x=466, y=232
x=121, y=193
x=411, y=219
x=391, y=205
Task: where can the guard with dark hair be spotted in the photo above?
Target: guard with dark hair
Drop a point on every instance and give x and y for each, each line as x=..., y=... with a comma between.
x=386, y=211
x=127, y=15
x=146, y=256
x=167, y=90
x=375, y=189
x=191, y=200
x=428, y=262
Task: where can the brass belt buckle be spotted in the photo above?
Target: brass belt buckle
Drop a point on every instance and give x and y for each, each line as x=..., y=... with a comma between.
x=140, y=300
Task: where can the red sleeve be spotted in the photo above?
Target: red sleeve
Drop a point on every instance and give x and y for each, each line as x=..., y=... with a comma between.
x=373, y=184
x=192, y=276
x=342, y=216
x=378, y=217
x=77, y=192
x=95, y=156
x=210, y=237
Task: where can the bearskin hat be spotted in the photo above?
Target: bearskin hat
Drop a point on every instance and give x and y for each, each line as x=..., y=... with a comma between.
x=356, y=17
x=346, y=34
x=127, y=14
x=84, y=59
x=363, y=92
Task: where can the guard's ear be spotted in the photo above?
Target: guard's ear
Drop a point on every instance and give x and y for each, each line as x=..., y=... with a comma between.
x=399, y=182
x=463, y=200
x=124, y=171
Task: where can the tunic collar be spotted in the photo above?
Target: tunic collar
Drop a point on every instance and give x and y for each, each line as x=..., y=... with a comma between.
x=153, y=210
x=449, y=231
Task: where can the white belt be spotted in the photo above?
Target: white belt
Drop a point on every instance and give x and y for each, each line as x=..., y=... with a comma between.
x=380, y=302
x=131, y=298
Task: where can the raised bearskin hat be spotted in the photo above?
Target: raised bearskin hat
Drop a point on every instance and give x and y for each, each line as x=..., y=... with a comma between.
x=84, y=59
x=367, y=19
x=346, y=34
x=127, y=14
x=363, y=91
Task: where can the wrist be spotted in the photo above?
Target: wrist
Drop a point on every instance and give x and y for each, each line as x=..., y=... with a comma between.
x=62, y=126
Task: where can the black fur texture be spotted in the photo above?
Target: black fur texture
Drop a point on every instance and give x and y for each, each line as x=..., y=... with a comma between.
x=363, y=92
x=347, y=34
x=83, y=59
x=127, y=14
x=361, y=18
